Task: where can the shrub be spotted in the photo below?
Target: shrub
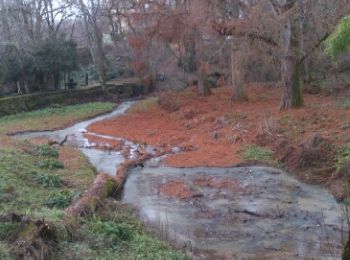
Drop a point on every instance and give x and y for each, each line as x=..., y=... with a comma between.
x=257, y=153
x=60, y=199
x=47, y=150
x=116, y=232
x=48, y=180
x=50, y=164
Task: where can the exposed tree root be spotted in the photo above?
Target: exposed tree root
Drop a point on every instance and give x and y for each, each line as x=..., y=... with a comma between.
x=34, y=239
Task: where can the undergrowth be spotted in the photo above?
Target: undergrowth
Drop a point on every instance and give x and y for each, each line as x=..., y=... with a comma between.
x=257, y=153
x=116, y=234
x=27, y=189
x=143, y=105
x=343, y=157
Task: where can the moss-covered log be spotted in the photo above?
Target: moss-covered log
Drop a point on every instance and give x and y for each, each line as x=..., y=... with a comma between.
x=103, y=186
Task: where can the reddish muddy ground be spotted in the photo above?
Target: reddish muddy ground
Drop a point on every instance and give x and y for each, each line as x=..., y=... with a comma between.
x=212, y=131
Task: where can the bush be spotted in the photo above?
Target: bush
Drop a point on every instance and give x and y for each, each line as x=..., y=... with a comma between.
x=47, y=151
x=257, y=153
x=169, y=101
x=48, y=180
x=60, y=199
x=116, y=232
x=50, y=164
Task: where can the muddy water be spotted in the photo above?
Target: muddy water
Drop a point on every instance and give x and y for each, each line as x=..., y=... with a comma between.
x=216, y=213
x=237, y=213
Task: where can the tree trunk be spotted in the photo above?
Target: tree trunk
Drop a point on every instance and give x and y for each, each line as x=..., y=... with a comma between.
x=236, y=75
x=203, y=86
x=189, y=62
x=291, y=75
x=19, y=90
x=56, y=80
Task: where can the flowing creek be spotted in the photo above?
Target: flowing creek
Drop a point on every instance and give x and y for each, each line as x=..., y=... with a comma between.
x=221, y=213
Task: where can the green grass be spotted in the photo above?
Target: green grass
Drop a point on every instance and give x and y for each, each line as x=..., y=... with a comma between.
x=117, y=235
x=25, y=186
x=39, y=181
x=48, y=180
x=27, y=189
x=257, y=153
x=343, y=157
x=52, y=118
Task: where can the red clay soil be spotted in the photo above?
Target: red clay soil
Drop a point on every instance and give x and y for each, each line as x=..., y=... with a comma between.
x=212, y=131
x=176, y=189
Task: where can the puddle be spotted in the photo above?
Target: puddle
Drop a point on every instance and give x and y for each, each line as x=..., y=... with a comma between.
x=237, y=212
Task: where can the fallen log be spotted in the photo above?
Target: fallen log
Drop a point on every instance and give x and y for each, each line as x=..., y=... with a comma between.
x=103, y=186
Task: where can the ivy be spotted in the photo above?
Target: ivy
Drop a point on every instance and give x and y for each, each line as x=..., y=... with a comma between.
x=339, y=41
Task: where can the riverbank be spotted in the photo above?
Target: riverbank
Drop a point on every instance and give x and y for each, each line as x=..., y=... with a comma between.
x=38, y=181
x=213, y=131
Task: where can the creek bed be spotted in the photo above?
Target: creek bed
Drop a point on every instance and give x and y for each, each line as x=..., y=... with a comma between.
x=222, y=213
x=238, y=212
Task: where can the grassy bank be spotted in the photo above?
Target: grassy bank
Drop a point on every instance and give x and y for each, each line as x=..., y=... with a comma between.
x=53, y=117
x=37, y=182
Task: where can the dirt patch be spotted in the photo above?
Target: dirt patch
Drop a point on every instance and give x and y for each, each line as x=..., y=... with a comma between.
x=176, y=189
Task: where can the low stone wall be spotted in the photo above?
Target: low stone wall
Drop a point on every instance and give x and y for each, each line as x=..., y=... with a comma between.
x=16, y=104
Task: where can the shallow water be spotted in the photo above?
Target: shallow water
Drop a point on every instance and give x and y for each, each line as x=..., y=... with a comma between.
x=222, y=213
x=261, y=212
x=104, y=161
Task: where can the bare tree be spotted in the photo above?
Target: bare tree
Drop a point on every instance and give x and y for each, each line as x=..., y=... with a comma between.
x=91, y=12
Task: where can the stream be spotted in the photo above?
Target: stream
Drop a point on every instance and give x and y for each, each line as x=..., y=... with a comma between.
x=221, y=213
